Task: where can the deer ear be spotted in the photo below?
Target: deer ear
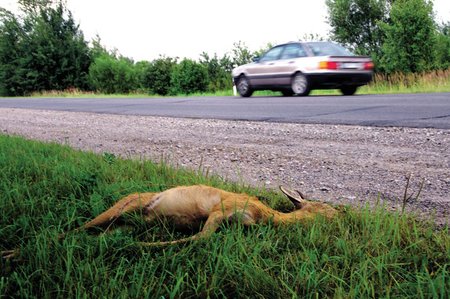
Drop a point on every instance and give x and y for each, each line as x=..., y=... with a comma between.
x=296, y=197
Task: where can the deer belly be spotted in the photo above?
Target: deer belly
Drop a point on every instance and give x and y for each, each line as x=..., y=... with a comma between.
x=183, y=206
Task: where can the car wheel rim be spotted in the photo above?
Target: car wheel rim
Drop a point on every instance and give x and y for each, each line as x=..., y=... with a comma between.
x=299, y=84
x=243, y=86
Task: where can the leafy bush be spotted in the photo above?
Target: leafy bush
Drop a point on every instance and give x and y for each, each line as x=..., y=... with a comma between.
x=241, y=54
x=156, y=76
x=189, y=77
x=112, y=75
x=219, y=76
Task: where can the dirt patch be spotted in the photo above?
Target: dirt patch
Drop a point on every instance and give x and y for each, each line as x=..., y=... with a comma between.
x=340, y=164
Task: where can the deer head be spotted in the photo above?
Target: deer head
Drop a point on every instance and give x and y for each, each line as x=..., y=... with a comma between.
x=304, y=207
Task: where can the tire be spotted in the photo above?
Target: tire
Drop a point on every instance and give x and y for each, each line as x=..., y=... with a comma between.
x=243, y=87
x=348, y=90
x=300, y=85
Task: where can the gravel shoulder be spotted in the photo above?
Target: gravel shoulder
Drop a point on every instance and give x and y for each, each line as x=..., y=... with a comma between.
x=339, y=164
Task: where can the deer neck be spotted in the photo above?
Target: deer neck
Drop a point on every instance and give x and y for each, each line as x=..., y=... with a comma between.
x=292, y=217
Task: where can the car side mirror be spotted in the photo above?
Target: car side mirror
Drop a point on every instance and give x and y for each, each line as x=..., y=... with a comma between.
x=255, y=59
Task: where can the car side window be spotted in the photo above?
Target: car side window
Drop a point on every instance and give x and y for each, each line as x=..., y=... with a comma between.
x=328, y=49
x=293, y=51
x=272, y=54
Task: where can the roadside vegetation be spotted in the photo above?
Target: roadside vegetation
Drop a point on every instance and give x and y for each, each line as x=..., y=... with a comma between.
x=429, y=82
x=49, y=189
x=434, y=81
x=43, y=50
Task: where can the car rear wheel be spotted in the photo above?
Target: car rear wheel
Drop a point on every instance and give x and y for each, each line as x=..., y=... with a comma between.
x=348, y=90
x=243, y=87
x=300, y=85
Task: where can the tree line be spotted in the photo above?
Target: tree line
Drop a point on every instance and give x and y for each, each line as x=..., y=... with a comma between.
x=43, y=48
x=399, y=35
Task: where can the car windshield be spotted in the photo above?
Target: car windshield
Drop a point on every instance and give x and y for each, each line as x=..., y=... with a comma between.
x=328, y=49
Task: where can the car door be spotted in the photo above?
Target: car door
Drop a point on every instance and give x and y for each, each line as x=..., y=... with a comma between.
x=264, y=72
x=289, y=62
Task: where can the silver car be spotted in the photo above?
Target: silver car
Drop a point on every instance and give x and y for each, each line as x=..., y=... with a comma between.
x=297, y=68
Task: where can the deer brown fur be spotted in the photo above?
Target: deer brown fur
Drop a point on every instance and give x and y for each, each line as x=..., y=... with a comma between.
x=189, y=205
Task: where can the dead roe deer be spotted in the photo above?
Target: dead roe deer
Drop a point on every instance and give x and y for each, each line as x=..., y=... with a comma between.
x=189, y=205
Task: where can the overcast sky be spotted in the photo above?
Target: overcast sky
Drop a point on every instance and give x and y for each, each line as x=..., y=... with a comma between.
x=144, y=29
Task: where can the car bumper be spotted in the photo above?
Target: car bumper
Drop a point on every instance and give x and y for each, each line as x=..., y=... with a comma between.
x=335, y=80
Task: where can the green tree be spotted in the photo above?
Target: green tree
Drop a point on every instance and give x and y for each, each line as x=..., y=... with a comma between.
x=442, y=47
x=355, y=24
x=189, y=77
x=410, y=37
x=51, y=53
x=226, y=62
x=97, y=49
x=263, y=50
x=34, y=6
x=109, y=74
x=60, y=55
x=312, y=37
x=12, y=71
x=241, y=54
x=219, y=76
x=156, y=77
x=140, y=68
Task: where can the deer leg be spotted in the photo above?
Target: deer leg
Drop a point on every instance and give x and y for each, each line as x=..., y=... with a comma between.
x=130, y=203
x=211, y=225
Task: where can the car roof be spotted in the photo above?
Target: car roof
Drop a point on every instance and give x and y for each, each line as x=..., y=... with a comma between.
x=303, y=43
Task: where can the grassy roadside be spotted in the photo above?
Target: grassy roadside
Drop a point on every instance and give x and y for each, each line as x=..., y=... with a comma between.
x=436, y=81
x=47, y=189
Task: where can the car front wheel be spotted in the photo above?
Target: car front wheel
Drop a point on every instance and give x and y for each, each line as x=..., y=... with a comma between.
x=300, y=85
x=243, y=87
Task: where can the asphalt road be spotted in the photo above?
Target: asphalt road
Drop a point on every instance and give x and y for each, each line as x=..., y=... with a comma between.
x=409, y=110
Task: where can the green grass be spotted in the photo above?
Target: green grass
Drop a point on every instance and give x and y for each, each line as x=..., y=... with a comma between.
x=48, y=189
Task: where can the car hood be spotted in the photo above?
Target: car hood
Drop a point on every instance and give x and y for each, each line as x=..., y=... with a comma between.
x=237, y=70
